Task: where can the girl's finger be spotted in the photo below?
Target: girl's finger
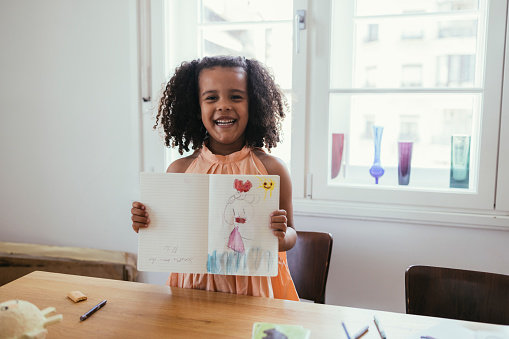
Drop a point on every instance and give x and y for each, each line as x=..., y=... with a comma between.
x=137, y=211
x=139, y=205
x=137, y=226
x=141, y=220
x=278, y=226
x=279, y=219
x=278, y=212
x=279, y=233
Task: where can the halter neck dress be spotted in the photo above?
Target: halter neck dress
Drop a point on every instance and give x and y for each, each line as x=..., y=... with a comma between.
x=281, y=286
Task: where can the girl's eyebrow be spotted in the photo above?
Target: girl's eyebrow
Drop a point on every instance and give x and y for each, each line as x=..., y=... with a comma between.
x=215, y=91
x=208, y=92
x=238, y=91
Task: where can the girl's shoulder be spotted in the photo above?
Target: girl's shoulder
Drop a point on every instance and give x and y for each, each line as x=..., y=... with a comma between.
x=272, y=164
x=181, y=165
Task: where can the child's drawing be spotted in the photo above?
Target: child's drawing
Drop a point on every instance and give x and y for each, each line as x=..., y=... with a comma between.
x=239, y=211
x=240, y=241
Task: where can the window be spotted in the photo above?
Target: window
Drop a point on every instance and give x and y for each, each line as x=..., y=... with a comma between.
x=424, y=76
x=370, y=76
x=260, y=29
x=411, y=76
x=433, y=75
x=456, y=70
x=371, y=33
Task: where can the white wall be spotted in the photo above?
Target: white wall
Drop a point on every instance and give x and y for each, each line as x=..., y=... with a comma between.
x=369, y=258
x=69, y=126
x=70, y=156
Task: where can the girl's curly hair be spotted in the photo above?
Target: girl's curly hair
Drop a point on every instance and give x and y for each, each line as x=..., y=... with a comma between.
x=179, y=113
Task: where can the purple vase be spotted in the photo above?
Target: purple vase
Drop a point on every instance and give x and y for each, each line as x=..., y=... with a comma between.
x=337, y=153
x=405, y=160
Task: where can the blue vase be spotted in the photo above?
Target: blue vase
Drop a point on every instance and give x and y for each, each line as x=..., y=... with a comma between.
x=376, y=170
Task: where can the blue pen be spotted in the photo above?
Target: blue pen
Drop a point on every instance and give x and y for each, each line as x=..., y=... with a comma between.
x=347, y=335
x=92, y=310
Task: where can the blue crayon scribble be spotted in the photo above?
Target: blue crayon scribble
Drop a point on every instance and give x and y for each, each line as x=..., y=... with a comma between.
x=229, y=262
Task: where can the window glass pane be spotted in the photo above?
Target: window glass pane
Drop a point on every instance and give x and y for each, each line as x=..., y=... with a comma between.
x=284, y=149
x=428, y=121
x=409, y=73
x=259, y=29
x=390, y=7
x=406, y=52
x=246, y=10
x=270, y=45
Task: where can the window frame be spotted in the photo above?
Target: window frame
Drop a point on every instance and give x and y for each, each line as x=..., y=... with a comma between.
x=502, y=197
x=392, y=203
x=310, y=68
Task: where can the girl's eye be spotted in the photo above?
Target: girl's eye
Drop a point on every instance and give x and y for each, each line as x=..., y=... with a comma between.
x=210, y=98
x=236, y=97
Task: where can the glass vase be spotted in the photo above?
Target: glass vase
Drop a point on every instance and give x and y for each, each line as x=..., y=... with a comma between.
x=404, y=161
x=460, y=161
x=376, y=170
x=337, y=153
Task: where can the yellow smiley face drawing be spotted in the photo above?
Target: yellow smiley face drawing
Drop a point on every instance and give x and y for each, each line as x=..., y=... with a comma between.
x=268, y=185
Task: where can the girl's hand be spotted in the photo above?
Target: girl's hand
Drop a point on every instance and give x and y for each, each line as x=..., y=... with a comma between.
x=140, y=217
x=278, y=224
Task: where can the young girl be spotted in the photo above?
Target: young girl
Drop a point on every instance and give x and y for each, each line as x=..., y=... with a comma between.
x=227, y=108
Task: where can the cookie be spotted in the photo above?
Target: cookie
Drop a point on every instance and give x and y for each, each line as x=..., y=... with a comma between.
x=76, y=296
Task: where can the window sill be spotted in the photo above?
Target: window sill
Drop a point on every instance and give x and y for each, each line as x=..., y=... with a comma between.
x=402, y=214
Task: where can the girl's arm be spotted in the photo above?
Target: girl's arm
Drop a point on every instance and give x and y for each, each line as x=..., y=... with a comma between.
x=282, y=219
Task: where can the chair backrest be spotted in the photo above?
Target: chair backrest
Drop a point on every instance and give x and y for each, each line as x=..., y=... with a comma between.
x=457, y=294
x=308, y=262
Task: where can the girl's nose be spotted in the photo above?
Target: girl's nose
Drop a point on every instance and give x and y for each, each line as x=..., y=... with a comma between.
x=224, y=105
x=224, y=108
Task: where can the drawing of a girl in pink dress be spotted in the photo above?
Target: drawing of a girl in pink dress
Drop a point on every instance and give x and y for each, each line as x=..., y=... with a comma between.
x=238, y=212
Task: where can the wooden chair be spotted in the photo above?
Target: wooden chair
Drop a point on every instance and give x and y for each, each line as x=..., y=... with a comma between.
x=308, y=262
x=458, y=294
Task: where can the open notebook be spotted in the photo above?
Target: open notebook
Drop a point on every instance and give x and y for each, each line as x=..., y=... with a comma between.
x=209, y=223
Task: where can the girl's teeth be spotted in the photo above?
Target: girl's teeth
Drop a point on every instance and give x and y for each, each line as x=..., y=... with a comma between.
x=224, y=122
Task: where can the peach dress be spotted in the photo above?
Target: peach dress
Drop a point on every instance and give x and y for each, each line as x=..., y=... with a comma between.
x=280, y=286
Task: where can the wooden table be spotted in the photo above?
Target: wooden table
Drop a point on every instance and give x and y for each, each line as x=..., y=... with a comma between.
x=137, y=310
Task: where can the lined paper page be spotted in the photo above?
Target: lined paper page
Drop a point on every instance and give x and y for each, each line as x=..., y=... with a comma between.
x=176, y=239
x=240, y=241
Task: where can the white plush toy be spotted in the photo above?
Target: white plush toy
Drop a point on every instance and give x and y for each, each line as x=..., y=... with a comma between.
x=21, y=319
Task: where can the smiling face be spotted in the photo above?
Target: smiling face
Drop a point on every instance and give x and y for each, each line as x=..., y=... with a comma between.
x=239, y=211
x=224, y=107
